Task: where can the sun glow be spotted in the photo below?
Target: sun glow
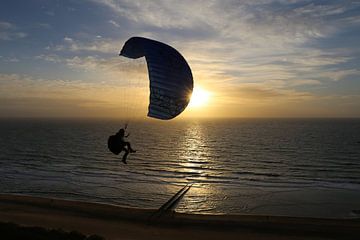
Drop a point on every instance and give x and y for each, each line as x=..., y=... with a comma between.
x=199, y=97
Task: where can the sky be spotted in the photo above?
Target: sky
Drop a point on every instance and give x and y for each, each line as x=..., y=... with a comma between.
x=263, y=58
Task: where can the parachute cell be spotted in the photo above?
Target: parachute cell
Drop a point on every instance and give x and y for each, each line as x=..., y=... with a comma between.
x=171, y=81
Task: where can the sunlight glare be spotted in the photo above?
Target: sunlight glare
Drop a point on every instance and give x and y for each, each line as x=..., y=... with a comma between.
x=199, y=97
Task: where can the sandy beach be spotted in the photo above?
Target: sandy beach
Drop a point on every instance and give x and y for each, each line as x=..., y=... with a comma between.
x=113, y=222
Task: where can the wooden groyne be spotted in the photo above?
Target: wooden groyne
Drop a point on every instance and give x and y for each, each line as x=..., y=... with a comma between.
x=172, y=202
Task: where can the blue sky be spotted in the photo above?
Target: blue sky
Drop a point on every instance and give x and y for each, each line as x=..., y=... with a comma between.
x=262, y=58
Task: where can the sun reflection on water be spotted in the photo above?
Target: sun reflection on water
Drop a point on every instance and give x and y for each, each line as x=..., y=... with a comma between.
x=194, y=153
x=195, y=161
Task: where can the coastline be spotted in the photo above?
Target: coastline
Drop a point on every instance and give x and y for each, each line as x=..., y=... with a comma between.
x=113, y=222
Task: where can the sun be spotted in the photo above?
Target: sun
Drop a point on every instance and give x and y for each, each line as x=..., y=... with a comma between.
x=199, y=97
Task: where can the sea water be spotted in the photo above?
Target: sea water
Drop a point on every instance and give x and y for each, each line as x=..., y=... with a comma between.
x=292, y=167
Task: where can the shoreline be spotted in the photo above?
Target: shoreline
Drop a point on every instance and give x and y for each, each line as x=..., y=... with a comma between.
x=111, y=221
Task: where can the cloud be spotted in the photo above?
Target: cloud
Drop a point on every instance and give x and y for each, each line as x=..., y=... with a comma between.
x=110, y=68
x=340, y=74
x=254, y=52
x=159, y=14
x=306, y=82
x=112, y=22
x=98, y=44
x=24, y=86
x=243, y=20
x=114, y=64
x=47, y=107
x=5, y=25
x=247, y=41
x=50, y=58
x=262, y=100
x=22, y=95
x=13, y=59
x=352, y=19
x=268, y=26
x=69, y=40
x=43, y=25
x=260, y=93
x=8, y=31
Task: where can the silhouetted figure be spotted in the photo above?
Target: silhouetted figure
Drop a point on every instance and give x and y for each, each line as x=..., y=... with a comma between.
x=117, y=143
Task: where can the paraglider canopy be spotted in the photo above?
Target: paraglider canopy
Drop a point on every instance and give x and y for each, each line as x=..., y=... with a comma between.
x=171, y=81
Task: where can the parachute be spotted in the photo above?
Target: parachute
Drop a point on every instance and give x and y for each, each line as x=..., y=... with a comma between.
x=171, y=81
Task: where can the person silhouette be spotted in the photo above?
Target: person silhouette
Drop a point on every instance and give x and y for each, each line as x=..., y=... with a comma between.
x=117, y=144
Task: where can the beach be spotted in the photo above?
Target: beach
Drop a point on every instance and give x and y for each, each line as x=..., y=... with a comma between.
x=113, y=222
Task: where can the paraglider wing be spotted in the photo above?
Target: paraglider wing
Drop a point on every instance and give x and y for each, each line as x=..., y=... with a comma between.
x=171, y=81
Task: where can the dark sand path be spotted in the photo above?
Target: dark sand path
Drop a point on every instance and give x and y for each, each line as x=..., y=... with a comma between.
x=114, y=222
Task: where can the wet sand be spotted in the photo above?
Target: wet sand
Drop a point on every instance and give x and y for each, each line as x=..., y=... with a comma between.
x=112, y=222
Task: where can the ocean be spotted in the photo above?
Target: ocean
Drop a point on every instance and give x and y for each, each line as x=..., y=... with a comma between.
x=291, y=167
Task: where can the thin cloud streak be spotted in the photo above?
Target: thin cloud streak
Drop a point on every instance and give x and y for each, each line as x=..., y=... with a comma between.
x=8, y=32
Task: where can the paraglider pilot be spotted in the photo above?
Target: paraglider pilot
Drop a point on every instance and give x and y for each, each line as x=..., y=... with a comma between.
x=117, y=144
